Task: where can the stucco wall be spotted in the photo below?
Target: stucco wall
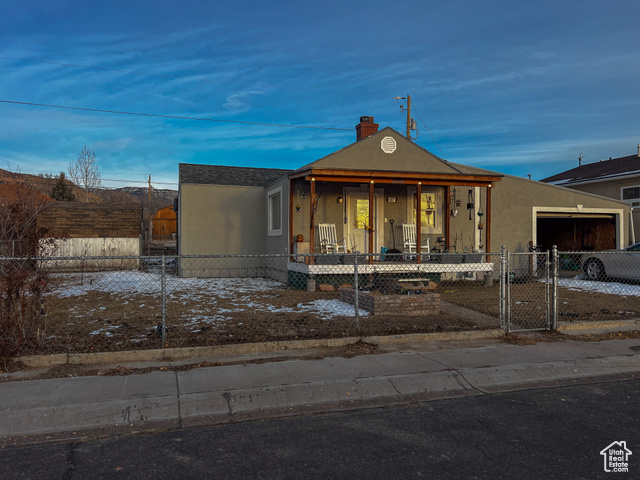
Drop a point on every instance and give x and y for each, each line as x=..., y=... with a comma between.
x=513, y=215
x=366, y=153
x=609, y=189
x=612, y=189
x=217, y=220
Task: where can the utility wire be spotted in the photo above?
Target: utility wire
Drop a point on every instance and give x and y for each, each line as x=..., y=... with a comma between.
x=55, y=175
x=99, y=187
x=84, y=109
x=434, y=140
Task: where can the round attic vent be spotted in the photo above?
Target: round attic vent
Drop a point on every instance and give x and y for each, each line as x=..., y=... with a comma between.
x=388, y=145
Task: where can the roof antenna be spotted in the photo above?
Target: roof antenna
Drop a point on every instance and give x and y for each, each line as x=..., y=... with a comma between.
x=580, y=159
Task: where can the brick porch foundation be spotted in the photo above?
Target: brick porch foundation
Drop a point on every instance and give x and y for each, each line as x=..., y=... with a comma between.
x=378, y=304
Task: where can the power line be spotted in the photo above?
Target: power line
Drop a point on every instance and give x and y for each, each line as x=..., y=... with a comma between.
x=99, y=187
x=50, y=175
x=177, y=117
x=434, y=140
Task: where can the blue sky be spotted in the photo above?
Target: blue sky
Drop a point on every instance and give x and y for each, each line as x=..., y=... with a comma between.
x=516, y=87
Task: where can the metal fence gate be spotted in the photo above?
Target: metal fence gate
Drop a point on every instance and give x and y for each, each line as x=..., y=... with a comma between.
x=527, y=291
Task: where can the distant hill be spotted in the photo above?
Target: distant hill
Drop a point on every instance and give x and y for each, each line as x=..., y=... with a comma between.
x=160, y=198
x=142, y=193
x=139, y=195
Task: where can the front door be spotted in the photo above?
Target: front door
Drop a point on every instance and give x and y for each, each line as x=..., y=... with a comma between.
x=358, y=221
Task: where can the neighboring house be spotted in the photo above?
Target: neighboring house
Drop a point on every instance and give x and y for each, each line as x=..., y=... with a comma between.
x=382, y=177
x=94, y=229
x=617, y=178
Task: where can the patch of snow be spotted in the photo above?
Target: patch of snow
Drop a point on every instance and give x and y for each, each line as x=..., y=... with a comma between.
x=242, y=292
x=609, y=288
x=331, y=308
x=106, y=331
x=135, y=282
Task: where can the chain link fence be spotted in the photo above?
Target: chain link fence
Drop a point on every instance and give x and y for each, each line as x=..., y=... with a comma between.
x=94, y=304
x=97, y=304
x=599, y=285
x=527, y=291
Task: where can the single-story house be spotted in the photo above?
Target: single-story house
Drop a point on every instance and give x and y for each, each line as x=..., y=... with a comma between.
x=617, y=178
x=94, y=230
x=368, y=190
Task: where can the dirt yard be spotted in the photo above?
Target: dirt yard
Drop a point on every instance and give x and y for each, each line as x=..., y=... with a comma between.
x=528, y=301
x=123, y=311
x=108, y=311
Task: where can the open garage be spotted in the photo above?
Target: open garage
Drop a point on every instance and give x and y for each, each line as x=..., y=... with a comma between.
x=575, y=231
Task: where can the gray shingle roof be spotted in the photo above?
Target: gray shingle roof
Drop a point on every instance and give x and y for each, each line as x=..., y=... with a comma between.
x=606, y=169
x=224, y=175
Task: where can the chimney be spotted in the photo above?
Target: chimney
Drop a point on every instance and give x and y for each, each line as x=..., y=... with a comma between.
x=639, y=150
x=365, y=128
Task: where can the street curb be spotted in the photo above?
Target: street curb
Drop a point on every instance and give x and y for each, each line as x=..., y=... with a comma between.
x=597, y=325
x=184, y=353
x=140, y=412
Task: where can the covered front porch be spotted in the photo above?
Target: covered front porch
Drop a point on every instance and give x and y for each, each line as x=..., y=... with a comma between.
x=368, y=210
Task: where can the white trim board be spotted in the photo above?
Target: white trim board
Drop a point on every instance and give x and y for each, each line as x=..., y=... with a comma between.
x=617, y=212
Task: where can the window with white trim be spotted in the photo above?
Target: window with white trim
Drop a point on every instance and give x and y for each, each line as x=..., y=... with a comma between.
x=631, y=195
x=431, y=206
x=275, y=211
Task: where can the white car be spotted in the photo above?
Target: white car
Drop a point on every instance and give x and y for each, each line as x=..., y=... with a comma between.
x=613, y=263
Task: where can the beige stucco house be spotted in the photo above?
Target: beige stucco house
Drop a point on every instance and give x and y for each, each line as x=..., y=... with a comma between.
x=383, y=179
x=617, y=178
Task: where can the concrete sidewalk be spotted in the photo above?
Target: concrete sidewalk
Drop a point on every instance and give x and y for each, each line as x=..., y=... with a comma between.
x=33, y=410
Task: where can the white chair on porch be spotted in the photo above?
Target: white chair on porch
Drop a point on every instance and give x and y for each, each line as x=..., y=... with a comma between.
x=409, y=235
x=329, y=242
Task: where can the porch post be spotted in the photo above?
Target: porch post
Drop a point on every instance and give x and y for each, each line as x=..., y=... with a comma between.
x=488, y=225
x=447, y=215
x=312, y=208
x=290, y=216
x=419, y=223
x=371, y=220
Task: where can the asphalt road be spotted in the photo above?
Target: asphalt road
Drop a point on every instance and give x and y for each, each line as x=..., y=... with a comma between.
x=531, y=434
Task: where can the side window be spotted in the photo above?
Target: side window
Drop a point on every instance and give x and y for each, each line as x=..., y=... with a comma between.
x=275, y=211
x=631, y=195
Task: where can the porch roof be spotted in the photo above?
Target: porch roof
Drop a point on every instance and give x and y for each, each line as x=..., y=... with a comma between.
x=403, y=178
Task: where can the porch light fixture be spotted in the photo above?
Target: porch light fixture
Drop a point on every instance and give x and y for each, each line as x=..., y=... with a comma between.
x=339, y=200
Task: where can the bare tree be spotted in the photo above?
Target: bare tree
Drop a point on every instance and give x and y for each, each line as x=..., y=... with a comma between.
x=22, y=281
x=84, y=171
